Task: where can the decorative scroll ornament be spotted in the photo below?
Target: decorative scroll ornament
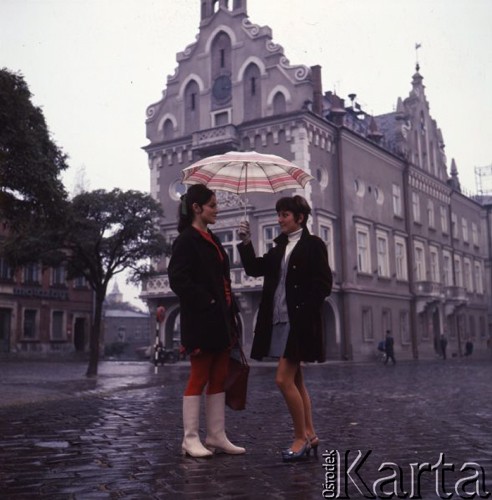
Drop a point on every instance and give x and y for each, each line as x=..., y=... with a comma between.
x=300, y=71
x=251, y=29
x=150, y=111
x=273, y=47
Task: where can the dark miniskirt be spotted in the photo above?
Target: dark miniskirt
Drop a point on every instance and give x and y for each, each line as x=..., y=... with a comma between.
x=280, y=333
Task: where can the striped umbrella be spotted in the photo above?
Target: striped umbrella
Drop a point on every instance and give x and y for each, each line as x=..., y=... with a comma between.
x=242, y=172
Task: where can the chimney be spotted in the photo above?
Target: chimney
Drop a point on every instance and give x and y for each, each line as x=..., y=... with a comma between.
x=317, y=90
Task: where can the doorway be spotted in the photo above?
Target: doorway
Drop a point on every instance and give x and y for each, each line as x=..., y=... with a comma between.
x=5, y=324
x=331, y=332
x=79, y=337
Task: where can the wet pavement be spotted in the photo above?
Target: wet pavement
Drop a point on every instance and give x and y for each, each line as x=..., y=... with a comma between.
x=63, y=436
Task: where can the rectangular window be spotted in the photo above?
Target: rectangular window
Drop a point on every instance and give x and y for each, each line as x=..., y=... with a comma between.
x=420, y=273
x=405, y=327
x=454, y=225
x=464, y=229
x=385, y=321
x=80, y=282
x=447, y=268
x=473, y=333
x=58, y=275
x=430, y=214
x=367, y=331
x=229, y=240
x=474, y=234
x=416, y=207
x=383, y=257
x=363, y=249
x=31, y=273
x=221, y=118
x=397, y=204
x=467, y=274
x=458, y=274
x=401, y=258
x=269, y=234
x=434, y=265
x=444, y=219
x=483, y=331
x=326, y=234
x=193, y=101
x=6, y=271
x=30, y=326
x=57, y=325
x=478, y=278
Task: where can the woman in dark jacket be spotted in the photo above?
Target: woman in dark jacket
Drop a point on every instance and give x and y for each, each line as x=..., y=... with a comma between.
x=199, y=275
x=297, y=278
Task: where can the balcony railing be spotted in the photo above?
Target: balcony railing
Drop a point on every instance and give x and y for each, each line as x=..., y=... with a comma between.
x=203, y=139
x=158, y=286
x=428, y=289
x=457, y=293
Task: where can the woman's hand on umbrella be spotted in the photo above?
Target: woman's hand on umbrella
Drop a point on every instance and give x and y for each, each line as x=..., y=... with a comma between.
x=244, y=232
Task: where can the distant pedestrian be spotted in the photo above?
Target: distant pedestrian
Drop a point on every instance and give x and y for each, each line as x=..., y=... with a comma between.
x=443, y=342
x=382, y=349
x=389, y=348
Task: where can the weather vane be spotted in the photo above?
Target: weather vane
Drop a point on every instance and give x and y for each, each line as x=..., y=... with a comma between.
x=417, y=47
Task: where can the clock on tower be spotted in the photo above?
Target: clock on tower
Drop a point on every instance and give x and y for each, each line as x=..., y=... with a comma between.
x=221, y=89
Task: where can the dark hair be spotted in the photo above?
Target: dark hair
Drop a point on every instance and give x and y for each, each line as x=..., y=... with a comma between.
x=295, y=204
x=199, y=194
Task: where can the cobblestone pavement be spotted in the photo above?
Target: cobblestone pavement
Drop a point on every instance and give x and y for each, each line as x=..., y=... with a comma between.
x=120, y=437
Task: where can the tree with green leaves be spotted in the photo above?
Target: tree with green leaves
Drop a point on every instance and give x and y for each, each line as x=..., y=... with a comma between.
x=108, y=233
x=31, y=191
x=97, y=235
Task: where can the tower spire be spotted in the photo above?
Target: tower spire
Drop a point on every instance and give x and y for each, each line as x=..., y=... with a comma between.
x=210, y=7
x=417, y=65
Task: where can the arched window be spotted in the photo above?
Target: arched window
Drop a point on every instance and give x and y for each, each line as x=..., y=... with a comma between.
x=252, y=92
x=279, y=104
x=192, y=107
x=168, y=130
x=221, y=54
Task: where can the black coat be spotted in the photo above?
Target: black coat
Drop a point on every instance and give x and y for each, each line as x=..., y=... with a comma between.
x=308, y=282
x=196, y=276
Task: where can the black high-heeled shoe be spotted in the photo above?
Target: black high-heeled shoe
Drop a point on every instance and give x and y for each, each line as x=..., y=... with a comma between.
x=292, y=456
x=314, y=443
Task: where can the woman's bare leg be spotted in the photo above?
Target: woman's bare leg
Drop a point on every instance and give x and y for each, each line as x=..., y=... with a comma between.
x=285, y=380
x=306, y=401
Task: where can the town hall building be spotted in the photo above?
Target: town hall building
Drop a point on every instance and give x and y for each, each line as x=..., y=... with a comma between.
x=408, y=249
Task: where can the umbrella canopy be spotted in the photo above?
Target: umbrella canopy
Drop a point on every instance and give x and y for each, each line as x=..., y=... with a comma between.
x=243, y=172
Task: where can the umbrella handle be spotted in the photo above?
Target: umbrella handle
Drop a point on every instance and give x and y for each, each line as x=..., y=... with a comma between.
x=245, y=204
x=245, y=187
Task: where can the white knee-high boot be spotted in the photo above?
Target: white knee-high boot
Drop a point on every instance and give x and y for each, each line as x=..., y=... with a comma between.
x=191, y=422
x=216, y=438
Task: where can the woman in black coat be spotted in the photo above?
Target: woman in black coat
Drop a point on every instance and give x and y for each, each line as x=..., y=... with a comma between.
x=199, y=275
x=297, y=278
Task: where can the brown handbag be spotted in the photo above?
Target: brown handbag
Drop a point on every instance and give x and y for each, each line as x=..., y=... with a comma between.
x=236, y=384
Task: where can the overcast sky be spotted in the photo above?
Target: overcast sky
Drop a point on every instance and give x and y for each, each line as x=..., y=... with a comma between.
x=95, y=65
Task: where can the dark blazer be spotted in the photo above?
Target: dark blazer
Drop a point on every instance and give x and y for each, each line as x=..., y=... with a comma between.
x=308, y=282
x=196, y=276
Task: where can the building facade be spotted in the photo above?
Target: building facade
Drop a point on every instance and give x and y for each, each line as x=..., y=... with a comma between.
x=408, y=249
x=41, y=312
x=128, y=332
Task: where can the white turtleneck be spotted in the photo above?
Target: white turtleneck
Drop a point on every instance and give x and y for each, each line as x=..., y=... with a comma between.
x=294, y=237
